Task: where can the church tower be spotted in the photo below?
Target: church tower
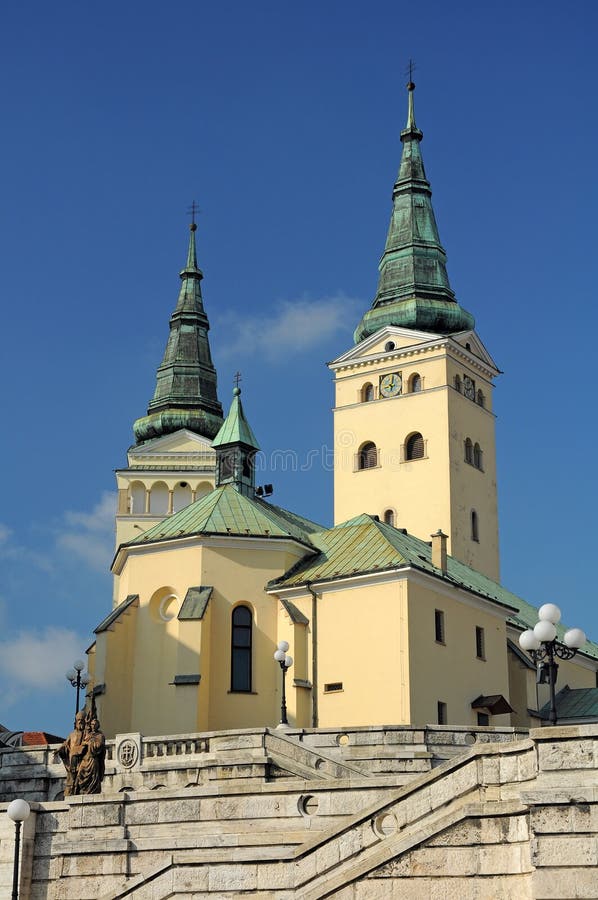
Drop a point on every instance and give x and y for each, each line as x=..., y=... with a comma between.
x=172, y=462
x=413, y=421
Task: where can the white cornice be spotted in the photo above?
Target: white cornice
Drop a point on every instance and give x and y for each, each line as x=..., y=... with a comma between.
x=236, y=542
x=355, y=360
x=408, y=573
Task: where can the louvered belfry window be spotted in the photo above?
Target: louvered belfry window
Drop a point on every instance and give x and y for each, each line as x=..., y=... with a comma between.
x=414, y=449
x=368, y=456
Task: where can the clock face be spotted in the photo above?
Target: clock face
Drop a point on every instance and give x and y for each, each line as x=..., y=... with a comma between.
x=469, y=387
x=391, y=385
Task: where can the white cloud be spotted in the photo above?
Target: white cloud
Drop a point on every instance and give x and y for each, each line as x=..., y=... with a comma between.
x=294, y=327
x=5, y=533
x=90, y=535
x=39, y=659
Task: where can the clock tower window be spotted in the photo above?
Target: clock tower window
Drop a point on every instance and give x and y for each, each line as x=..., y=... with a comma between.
x=367, y=458
x=415, y=446
x=415, y=383
x=367, y=392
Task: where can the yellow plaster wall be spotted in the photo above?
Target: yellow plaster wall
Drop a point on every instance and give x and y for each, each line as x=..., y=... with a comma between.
x=362, y=642
x=394, y=483
x=438, y=491
x=239, y=577
x=140, y=657
x=450, y=672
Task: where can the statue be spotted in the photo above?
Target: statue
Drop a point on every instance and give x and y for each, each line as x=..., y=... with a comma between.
x=83, y=754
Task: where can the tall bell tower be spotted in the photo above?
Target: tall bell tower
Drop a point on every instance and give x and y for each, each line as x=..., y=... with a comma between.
x=413, y=417
x=172, y=462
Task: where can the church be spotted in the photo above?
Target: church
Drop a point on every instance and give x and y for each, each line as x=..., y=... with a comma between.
x=396, y=614
x=385, y=645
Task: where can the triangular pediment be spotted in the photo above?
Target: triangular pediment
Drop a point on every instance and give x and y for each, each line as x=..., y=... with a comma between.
x=182, y=441
x=473, y=343
x=375, y=345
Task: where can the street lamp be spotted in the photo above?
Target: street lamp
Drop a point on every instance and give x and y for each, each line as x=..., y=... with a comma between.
x=285, y=662
x=77, y=679
x=542, y=645
x=18, y=811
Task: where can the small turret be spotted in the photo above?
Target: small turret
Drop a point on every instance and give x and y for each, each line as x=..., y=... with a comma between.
x=236, y=447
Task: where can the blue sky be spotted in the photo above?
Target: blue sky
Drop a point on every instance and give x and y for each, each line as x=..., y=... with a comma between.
x=282, y=121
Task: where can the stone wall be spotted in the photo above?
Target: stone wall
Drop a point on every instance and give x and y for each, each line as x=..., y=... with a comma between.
x=510, y=818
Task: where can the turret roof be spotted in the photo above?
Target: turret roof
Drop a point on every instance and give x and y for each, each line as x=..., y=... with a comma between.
x=236, y=429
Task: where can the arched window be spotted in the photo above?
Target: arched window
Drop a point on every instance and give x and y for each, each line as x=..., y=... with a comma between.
x=240, y=656
x=367, y=458
x=481, y=399
x=475, y=531
x=389, y=516
x=477, y=456
x=468, y=451
x=414, y=446
x=458, y=383
x=137, y=498
x=159, y=499
x=367, y=392
x=415, y=383
x=181, y=496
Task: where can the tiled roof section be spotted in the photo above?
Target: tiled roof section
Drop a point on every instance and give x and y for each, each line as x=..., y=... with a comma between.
x=195, y=603
x=574, y=703
x=365, y=545
x=116, y=613
x=226, y=511
x=37, y=738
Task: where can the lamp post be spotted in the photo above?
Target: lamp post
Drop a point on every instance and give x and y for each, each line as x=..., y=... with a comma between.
x=18, y=811
x=285, y=662
x=78, y=679
x=542, y=645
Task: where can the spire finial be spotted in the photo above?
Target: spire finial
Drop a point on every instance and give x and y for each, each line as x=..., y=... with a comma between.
x=411, y=126
x=237, y=378
x=191, y=211
x=192, y=254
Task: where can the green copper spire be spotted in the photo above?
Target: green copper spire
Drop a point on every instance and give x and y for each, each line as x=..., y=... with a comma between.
x=413, y=287
x=185, y=395
x=236, y=446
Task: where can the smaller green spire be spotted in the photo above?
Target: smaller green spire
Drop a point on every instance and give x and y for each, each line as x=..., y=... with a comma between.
x=236, y=446
x=186, y=390
x=235, y=428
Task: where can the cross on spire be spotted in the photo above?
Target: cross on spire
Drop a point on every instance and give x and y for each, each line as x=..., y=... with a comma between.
x=411, y=67
x=237, y=378
x=192, y=211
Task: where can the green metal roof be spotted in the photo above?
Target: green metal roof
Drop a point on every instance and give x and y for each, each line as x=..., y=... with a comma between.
x=413, y=286
x=226, y=511
x=364, y=545
x=574, y=703
x=236, y=429
x=185, y=395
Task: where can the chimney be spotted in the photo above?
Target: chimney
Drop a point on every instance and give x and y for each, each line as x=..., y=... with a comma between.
x=439, y=550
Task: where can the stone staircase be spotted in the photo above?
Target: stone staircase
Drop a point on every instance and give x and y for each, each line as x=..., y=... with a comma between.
x=359, y=845
x=499, y=819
